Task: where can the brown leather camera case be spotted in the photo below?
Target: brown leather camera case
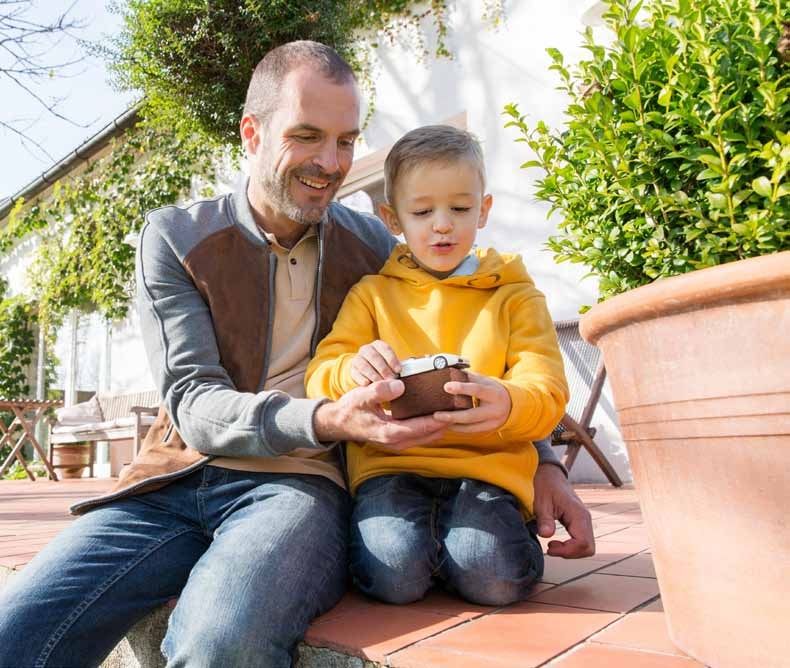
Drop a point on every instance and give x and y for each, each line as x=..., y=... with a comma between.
x=424, y=394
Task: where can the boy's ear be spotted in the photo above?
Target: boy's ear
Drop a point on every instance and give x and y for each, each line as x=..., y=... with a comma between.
x=390, y=218
x=485, y=207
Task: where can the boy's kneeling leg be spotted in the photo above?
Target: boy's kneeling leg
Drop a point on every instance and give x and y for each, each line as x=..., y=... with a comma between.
x=393, y=550
x=493, y=556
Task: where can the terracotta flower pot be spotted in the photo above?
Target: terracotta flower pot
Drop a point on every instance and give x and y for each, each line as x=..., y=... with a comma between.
x=700, y=371
x=71, y=461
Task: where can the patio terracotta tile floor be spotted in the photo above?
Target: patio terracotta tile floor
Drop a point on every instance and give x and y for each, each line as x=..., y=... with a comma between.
x=601, y=611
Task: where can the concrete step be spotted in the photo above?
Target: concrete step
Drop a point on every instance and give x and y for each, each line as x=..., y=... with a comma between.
x=140, y=649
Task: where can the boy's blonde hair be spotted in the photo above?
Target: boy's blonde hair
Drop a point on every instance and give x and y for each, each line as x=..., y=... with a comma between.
x=440, y=144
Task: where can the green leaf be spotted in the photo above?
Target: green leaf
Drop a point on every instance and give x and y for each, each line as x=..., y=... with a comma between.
x=739, y=197
x=717, y=201
x=556, y=55
x=632, y=100
x=762, y=186
x=710, y=159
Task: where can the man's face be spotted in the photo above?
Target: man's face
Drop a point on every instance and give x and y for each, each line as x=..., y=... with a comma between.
x=307, y=147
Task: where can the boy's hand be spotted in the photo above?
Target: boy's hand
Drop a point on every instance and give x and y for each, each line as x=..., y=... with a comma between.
x=374, y=361
x=491, y=412
x=358, y=416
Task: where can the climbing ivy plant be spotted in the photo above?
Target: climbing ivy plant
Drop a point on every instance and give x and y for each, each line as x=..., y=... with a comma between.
x=17, y=341
x=85, y=260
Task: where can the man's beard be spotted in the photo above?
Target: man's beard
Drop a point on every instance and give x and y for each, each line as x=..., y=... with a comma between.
x=278, y=195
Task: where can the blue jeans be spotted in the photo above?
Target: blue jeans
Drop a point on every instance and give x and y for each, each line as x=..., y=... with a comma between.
x=408, y=531
x=253, y=556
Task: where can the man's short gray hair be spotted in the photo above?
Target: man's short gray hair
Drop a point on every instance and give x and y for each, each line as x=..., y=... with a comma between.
x=431, y=144
x=263, y=93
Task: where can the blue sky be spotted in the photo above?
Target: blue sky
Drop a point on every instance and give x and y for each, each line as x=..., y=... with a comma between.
x=88, y=99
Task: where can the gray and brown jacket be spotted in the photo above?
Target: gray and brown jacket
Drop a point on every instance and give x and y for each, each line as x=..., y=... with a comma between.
x=205, y=283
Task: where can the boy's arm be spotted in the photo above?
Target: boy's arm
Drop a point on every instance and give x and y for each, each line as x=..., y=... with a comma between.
x=329, y=372
x=535, y=379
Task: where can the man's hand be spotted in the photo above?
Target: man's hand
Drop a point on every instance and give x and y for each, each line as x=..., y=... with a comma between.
x=491, y=412
x=556, y=500
x=374, y=361
x=358, y=416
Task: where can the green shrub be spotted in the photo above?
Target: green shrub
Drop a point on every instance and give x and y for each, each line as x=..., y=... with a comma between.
x=676, y=149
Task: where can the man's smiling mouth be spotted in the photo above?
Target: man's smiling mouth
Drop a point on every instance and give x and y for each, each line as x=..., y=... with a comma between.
x=316, y=185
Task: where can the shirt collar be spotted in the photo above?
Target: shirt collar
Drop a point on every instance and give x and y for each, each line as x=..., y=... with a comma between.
x=310, y=231
x=469, y=265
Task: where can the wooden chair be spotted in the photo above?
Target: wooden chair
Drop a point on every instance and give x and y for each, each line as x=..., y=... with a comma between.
x=586, y=373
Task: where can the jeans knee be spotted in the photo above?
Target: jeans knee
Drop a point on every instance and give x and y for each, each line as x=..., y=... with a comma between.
x=485, y=573
x=221, y=645
x=393, y=576
x=395, y=588
x=494, y=591
x=392, y=563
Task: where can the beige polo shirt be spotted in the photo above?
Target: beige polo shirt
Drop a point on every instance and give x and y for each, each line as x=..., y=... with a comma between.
x=289, y=354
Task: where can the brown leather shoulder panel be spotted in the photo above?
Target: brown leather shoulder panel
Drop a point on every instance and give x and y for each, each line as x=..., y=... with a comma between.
x=232, y=274
x=346, y=260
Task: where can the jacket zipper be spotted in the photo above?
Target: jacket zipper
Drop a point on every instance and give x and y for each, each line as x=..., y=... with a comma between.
x=269, y=320
x=319, y=270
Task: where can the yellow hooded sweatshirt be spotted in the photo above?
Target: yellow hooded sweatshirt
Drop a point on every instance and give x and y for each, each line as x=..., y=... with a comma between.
x=497, y=319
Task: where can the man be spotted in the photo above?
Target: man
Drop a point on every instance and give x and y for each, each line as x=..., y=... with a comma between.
x=234, y=295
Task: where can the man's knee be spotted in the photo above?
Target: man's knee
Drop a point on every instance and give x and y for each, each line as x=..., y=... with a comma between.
x=220, y=644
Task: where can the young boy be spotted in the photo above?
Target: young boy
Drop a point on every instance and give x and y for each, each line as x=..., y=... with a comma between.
x=458, y=509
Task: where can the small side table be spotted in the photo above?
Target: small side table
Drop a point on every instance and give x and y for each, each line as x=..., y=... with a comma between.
x=27, y=413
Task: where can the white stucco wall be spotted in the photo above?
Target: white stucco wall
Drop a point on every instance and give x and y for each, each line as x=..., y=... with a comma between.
x=492, y=68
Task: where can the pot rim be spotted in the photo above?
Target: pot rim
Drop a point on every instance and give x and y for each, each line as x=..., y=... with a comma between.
x=767, y=276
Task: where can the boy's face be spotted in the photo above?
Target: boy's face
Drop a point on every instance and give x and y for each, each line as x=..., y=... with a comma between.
x=438, y=207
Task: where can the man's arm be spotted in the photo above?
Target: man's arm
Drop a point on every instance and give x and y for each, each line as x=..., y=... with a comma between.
x=556, y=500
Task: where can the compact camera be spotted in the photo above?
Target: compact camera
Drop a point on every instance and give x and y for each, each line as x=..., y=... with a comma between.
x=424, y=378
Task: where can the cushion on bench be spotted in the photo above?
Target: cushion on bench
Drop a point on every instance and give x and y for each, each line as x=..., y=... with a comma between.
x=145, y=420
x=80, y=414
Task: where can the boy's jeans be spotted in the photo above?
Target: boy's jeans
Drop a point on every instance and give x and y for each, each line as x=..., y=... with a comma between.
x=407, y=530
x=253, y=556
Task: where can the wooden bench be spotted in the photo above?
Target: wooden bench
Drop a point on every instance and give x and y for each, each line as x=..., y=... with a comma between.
x=120, y=417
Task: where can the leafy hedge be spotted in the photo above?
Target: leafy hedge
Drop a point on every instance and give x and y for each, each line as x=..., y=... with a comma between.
x=675, y=152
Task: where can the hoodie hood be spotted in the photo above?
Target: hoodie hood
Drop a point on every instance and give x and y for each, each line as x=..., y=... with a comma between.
x=494, y=270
